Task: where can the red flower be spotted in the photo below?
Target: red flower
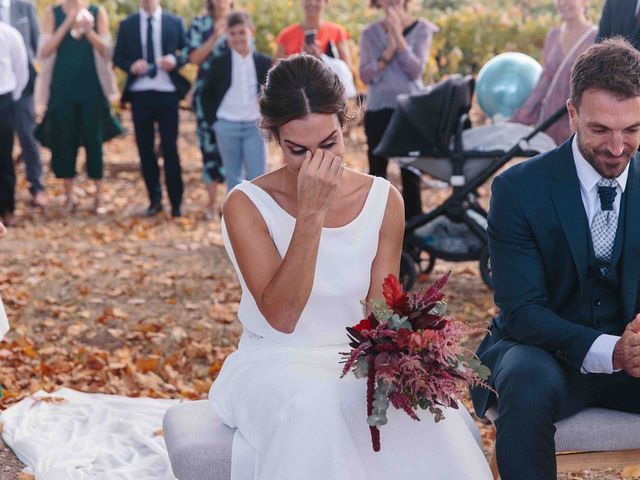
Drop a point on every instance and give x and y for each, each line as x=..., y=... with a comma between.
x=395, y=296
x=403, y=338
x=363, y=325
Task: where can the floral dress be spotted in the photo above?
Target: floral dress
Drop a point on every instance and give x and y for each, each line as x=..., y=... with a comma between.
x=201, y=29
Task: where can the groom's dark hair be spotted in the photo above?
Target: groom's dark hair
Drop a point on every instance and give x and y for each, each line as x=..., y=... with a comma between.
x=612, y=66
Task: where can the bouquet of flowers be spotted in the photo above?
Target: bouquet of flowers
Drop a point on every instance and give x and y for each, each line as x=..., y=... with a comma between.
x=410, y=351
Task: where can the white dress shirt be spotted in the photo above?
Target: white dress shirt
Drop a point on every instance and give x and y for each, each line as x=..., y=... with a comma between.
x=5, y=11
x=599, y=358
x=240, y=103
x=161, y=82
x=14, y=62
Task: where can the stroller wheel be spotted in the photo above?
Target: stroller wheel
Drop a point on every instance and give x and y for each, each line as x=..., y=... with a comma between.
x=430, y=262
x=485, y=268
x=408, y=271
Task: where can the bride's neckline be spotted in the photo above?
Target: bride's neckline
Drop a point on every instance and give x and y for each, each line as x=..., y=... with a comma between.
x=293, y=219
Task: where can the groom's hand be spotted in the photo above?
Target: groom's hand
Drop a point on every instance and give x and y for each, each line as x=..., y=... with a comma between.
x=626, y=354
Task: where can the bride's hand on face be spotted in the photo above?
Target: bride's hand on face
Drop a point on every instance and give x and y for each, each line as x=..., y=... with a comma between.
x=318, y=181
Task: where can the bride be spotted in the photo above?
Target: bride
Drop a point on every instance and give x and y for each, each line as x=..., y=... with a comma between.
x=309, y=241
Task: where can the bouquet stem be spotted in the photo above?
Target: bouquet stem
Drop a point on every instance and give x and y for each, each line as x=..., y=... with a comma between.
x=371, y=385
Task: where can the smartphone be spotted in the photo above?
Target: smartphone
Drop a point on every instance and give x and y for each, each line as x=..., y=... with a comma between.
x=310, y=37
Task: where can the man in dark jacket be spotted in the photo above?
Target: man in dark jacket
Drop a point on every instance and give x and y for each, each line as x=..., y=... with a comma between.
x=147, y=48
x=21, y=15
x=564, y=241
x=620, y=17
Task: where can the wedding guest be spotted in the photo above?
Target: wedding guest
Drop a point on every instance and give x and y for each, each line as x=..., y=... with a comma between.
x=309, y=241
x=230, y=100
x=393, y=54
x=564, y=241
x=207, y=38
x=22, y=16
x=314, y=35
x=148, y=49
x=76, y=83
x=14, y=76
x=620, y=17
x=562, y=46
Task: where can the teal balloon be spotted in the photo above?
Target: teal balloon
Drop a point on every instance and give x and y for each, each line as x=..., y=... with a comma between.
x=505, y=82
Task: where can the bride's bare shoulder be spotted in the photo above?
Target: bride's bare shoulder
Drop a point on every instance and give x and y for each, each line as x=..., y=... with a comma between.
x=357, y=182
x=238, y=202
x=270, y=182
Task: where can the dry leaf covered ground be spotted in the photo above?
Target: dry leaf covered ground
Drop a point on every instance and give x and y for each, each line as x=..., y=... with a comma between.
x=143, y=307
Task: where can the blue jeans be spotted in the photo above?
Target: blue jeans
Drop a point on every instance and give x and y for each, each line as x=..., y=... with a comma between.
x=243, y=150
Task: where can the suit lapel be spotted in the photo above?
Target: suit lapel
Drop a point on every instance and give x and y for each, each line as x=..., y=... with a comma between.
x=164, y=32
x=631, y=247
x=137, y=38
x=565, y=192
x=227, y=65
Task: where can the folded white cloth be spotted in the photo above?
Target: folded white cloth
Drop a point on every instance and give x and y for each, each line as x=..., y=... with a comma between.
x=82, y=436
x=343, y=72
x=4, y=321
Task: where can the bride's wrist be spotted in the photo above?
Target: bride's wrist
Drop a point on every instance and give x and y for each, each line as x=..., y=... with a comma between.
x=311, y=218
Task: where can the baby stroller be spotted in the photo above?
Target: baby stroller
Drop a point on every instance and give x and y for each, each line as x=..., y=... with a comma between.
x=431, y=132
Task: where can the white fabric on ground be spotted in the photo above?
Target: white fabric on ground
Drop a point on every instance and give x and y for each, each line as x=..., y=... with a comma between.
x=4, y=321
x=89, y=437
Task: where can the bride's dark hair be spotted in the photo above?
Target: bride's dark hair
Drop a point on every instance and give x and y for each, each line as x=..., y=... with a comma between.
x=297, y=86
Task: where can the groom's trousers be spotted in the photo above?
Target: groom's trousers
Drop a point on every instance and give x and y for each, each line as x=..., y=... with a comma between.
x=534, y=392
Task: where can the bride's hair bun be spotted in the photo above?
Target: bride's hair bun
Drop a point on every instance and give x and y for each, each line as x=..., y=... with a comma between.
x=297, y=86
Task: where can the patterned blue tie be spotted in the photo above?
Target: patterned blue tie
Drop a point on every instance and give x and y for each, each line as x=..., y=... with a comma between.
x=151, y=55
x=605, y=223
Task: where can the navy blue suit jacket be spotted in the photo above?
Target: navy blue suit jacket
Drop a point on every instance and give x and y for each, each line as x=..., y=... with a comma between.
x=540, y=248
x=619, y=18
x=128, y=49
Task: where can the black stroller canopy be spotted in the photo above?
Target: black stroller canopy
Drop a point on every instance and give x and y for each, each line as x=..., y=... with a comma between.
x=423, y=123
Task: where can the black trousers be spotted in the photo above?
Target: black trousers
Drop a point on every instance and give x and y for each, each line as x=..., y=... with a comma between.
x=7, y=171
x=375, y=123
x=534, y=392
x=161, y=108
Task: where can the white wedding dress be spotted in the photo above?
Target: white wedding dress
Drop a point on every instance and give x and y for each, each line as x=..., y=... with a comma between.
x=284, y=394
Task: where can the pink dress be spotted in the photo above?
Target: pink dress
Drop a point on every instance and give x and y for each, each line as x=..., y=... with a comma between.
x=552, y=89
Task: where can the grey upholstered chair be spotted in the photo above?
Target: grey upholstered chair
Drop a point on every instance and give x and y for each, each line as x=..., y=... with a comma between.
x=593, y=438
x=199, y=444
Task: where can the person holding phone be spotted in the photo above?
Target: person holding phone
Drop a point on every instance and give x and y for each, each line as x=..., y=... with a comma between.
x=314, y=35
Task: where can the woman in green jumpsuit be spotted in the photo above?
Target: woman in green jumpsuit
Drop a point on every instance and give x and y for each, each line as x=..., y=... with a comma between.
x=78, y=113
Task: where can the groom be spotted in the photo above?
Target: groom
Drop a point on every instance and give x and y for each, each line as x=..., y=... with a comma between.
x=564, y=239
